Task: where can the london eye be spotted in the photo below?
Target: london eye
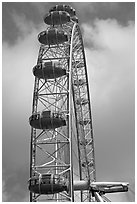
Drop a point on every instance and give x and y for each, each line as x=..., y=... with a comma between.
x=62, y=158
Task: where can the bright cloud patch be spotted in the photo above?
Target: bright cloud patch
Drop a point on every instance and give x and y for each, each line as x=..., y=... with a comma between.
x=18, y=80
x=111, y=66
x=110, y=54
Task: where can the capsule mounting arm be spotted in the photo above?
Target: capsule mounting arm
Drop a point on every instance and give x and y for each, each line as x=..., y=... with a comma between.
x=109, y=187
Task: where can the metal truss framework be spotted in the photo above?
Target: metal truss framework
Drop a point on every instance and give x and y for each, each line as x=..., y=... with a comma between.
x=67, y=150
x=63, y=151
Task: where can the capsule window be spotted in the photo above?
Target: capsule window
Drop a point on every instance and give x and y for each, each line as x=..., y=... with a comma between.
x=32, y=182
x=48, y=64
x=56, y=179
x=34, y=117
x=38, y=116
x=39, y=66
x=37, y=181
x=45, y=181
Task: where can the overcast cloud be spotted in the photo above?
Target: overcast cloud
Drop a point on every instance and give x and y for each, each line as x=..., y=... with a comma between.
x=109, y=46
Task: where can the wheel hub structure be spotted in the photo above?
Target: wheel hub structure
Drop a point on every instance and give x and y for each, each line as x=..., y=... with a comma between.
x=62, y=161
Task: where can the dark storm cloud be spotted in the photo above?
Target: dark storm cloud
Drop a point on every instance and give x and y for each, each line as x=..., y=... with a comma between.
x=121, y=11
x=27, y=10
x=86, y=12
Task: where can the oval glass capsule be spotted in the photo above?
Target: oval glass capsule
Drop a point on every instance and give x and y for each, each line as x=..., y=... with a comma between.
x=49, y=70
x=52, y=37
x=82, y=101
x=47, y=184
x=74, y=18
x=46, y=120
x=57, y=18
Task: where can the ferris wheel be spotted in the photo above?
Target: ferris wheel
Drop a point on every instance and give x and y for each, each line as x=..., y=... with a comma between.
x=62, y=160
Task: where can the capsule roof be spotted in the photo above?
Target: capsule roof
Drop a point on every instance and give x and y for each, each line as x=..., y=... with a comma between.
x=63, y=7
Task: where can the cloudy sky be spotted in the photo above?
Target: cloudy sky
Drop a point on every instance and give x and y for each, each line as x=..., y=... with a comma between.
x=109, y=39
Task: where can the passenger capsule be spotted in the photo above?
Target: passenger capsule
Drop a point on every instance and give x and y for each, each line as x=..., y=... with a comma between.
x=84, y=164
x=84, y=122
x=77, y=64
x=57, y=18
x=50, y=70
x=63, y=7
x=85, y=142
x=74, y=18
x=46, y=120
x=52, y=37
x=79, y=82
x=82, y=101
x=47, y=184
